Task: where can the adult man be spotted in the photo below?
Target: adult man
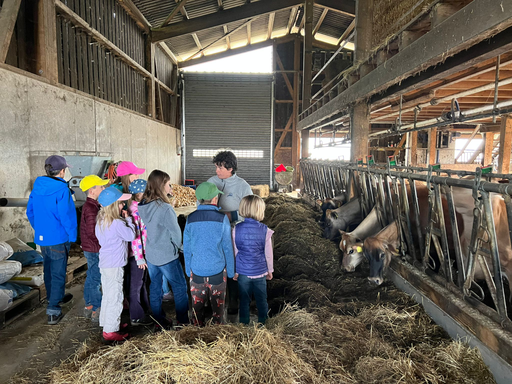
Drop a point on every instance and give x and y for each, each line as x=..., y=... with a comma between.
x=235, y=189
x=51, y=212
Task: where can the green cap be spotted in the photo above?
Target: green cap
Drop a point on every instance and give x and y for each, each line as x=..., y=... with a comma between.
x=207, y=191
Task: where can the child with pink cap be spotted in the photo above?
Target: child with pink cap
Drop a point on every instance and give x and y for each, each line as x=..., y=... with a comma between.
x=126, y=173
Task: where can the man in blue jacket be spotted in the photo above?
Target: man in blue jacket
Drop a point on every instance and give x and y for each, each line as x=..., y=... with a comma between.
x=51, y=212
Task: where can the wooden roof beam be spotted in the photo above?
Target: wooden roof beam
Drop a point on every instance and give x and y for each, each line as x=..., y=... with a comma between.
x=221, y=18
x=320, y=21
x=135, y=14
x=271, y=19
x=291, y=19
x=345, y=7
x=174, y=12
x=249, y=33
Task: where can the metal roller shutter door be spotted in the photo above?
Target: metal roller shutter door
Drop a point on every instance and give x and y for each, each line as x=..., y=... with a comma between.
x=228, y=111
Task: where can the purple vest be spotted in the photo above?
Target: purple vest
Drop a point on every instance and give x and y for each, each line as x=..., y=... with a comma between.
x=250, y=238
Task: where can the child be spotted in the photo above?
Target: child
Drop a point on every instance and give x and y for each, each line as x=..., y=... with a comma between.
x=254, y=257
x=136, y=274
x=208, y=252
x=126, y=173
x=90, y=245
x=114, y=230
x=163, y=244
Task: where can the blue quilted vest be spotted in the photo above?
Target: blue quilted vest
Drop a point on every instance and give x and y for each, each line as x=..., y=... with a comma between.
x=250, y=238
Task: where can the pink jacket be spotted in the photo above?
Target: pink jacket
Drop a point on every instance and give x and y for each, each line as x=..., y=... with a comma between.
x=138, y=245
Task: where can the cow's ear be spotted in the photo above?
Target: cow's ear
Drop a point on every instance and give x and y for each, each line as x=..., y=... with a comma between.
x=333, y=214
x=341, y=232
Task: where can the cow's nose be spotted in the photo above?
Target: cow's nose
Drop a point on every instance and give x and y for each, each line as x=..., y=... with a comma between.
x=376, y=280
x=350, y=268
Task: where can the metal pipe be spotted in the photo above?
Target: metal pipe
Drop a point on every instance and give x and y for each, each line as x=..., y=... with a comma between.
x=435, y=101
x=13, y=202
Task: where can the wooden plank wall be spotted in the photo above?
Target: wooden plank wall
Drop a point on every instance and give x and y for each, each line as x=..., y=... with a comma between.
x=88, y=67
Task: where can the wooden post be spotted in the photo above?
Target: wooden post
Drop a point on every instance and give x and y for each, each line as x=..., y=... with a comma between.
x=150, y=66
x=295, y=109
x=308, y=54
x=432, y=147
x=360, y=113
x=46, y=45
x=413, y=149
x=489, y=146
x=8, y=16
x=505, y=144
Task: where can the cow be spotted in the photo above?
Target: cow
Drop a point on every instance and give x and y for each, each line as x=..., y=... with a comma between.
x=373, y=248
x=351, y=242
x=331, y=204
x=379, y=249
x=342, y=218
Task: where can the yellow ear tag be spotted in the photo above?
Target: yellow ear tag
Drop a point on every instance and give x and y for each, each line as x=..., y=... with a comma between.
x=359, y=249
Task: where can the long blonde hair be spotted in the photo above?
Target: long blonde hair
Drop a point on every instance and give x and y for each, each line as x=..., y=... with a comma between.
x=107, y=215
x=124, y=181
x=155, y=189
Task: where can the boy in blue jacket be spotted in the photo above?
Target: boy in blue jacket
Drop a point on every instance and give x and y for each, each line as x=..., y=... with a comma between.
x=209, y=256
x=51, y=212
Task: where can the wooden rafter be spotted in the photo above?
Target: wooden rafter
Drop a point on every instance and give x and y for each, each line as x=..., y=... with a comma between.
x=174, y=12
x=400, y=145
x=320, y=21
x=271, y=19
x=198, y=43
x=217, y=19
x=291, y=19
x=473, y=134
x=8, y=16
x=345, y=7
x=221, y=6
x=135, y=14
x=249, y=33
x=228, y=41
x=347, y=32
x=226, y=36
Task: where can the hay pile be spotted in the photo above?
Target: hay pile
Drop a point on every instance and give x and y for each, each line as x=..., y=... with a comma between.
x=347, y=331
x=295, y=347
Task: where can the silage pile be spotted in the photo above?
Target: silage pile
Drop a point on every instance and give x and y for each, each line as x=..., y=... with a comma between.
x=347, y=331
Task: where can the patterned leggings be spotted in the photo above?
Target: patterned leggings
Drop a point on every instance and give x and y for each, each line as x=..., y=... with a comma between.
x=212, y=287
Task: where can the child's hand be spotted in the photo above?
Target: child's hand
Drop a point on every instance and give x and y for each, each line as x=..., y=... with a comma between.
x=124, y=213
x=142, y=266
x=269, y=276
x=235, y=277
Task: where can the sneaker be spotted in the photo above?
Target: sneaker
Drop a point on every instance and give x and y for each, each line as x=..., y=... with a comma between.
x=66, y=299
x=115, y=336
x=95, y=315
x=165, y=324
x=88, y=312
x=168, y=296
x=54, y=319
x=146, y=320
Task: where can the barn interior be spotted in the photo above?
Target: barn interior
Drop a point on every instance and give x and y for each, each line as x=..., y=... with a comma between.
x=367, y=100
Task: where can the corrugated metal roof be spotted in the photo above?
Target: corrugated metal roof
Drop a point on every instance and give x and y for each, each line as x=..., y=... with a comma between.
x=156, y=11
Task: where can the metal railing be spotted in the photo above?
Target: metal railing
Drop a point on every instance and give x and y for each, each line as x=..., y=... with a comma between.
x=393, y=190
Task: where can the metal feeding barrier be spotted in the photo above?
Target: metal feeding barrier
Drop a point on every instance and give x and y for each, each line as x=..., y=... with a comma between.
x=393, y=191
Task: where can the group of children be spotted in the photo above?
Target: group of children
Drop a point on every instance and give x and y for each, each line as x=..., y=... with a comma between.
x=129, y=230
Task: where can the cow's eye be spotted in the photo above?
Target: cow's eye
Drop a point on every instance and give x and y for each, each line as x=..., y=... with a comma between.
x=351, y=251
x=382, y=255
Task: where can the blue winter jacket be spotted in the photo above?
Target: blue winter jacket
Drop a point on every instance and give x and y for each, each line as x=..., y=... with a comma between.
x=207, y=243
x=250, y=236
x=51, y=212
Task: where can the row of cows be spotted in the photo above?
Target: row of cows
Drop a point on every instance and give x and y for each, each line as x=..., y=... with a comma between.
x=370, y=241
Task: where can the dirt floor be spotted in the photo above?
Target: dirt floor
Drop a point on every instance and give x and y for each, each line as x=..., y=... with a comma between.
x=348, y=331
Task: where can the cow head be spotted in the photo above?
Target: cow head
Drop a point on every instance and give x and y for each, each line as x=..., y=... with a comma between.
x=378, y=252
x=352, y=251
x=331, y=222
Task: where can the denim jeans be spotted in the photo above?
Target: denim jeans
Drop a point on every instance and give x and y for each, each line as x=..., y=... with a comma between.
x=174, y=274
x=55, y=261
x=92, y=291
x=246, y=288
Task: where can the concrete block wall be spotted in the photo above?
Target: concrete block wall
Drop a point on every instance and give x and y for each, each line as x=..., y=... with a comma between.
x=38, y=120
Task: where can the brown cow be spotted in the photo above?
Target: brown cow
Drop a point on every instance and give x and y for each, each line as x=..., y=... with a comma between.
x=379, y=249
